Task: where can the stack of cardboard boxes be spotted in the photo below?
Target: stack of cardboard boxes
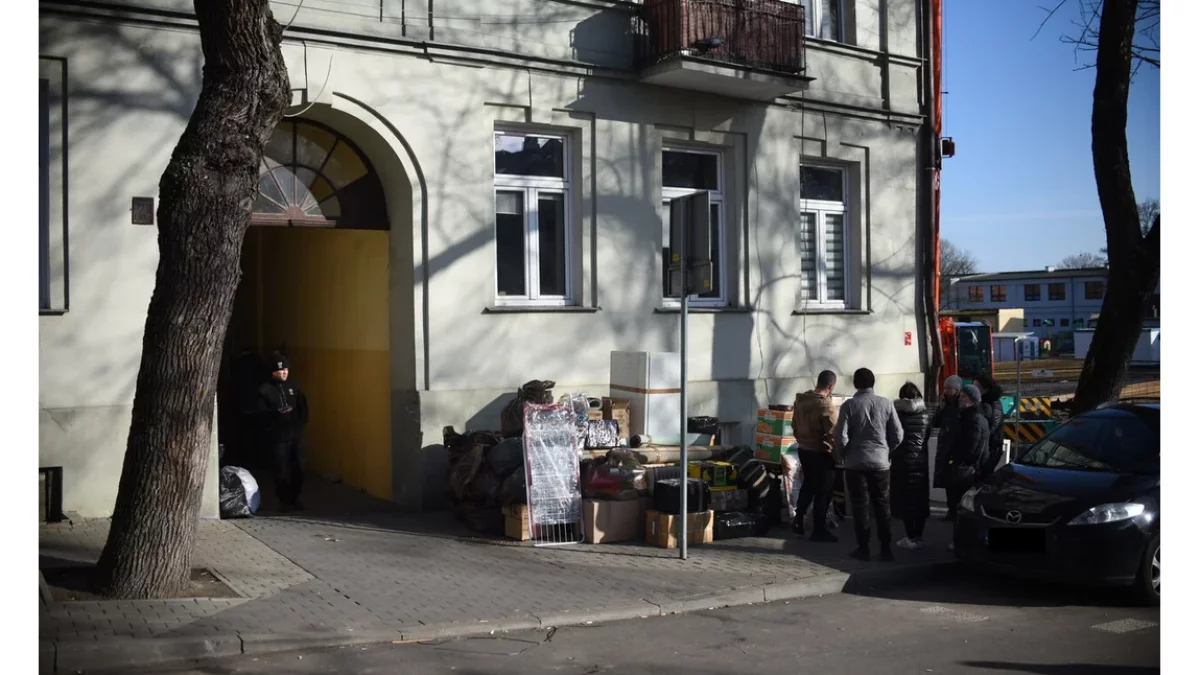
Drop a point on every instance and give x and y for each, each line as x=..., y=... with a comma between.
x=774, y=435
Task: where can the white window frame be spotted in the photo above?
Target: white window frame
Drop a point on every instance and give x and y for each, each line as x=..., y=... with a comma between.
x=532, y=187
x=821, y=208
x=716, y=199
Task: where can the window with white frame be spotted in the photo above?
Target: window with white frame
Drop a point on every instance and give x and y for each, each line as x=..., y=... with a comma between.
x=684, y=172
x=533, y=249
x=823, y=239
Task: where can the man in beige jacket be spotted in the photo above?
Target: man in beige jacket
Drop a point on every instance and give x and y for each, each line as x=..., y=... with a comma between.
x=813, y=419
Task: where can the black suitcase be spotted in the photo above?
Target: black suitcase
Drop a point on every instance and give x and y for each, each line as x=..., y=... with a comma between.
x=666, y=496
x=737, y=524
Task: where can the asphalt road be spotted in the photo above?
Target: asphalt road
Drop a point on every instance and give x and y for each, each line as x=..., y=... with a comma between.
x=976, y=624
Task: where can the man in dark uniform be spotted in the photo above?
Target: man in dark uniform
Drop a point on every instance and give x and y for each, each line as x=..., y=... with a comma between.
x=284, y=413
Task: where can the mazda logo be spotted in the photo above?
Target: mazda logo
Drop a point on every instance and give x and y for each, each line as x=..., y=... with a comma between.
x=1013, y=517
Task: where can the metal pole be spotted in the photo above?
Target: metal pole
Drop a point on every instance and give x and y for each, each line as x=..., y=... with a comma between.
x=683, y=321
x=1017, y=397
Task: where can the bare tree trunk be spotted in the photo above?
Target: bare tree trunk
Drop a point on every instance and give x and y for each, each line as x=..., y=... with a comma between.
x=1133, y=259
x=206, y=194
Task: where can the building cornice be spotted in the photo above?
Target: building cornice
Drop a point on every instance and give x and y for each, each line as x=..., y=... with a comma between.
x=441, y=52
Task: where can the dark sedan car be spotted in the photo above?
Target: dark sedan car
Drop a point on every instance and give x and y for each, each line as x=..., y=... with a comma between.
x=1081, y=506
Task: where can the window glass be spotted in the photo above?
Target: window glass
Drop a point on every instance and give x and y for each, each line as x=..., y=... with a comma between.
x=821, y=184
x=1118, y=442
x=522, y=155
x=510, y=243
x=692, y=170
x=552, y=242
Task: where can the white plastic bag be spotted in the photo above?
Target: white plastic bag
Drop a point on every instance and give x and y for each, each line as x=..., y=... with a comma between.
x=792, y=478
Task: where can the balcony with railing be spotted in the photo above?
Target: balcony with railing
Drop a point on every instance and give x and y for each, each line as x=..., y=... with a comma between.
x=752, y=49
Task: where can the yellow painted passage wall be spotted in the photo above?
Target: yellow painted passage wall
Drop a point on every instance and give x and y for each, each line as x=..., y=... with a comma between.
x=325, y=294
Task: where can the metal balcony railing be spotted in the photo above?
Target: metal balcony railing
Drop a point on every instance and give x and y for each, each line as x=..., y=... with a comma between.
x=761, y=34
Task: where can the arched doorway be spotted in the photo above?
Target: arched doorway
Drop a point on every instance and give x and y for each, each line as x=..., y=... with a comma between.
x=315, y=285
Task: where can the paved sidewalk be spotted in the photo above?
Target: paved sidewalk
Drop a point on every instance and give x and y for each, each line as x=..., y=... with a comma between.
x=373, y=576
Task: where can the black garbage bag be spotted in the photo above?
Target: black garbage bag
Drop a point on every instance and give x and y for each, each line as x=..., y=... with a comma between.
x=234, y=502
x=506, y=457
x=458, y=444
x=512, y=418
x=462, y=474
x=512, y=490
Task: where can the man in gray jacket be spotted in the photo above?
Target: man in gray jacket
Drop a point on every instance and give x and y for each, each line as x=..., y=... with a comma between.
x=867, y=430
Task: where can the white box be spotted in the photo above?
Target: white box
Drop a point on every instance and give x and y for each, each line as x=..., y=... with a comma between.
x=650, y=381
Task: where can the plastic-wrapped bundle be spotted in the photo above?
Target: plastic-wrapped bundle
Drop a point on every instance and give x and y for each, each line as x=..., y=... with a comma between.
x=613, y=482
x=552, y=465
x=580, y=407
x=602, y=434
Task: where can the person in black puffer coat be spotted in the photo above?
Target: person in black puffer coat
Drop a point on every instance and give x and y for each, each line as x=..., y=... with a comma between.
x=910, y=467
x=968, y=450
x=993, y=411
x=945, y=421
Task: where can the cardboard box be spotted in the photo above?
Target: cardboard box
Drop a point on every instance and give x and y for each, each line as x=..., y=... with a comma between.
x=775, y=422
x=716, y=474
x=606, y=521
x=770, y=448
x=662, y=529
x=728, y=499
x=516, y=522
x=617, y=409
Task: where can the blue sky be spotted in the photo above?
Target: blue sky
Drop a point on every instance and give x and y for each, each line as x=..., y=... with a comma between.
x=1020, y=193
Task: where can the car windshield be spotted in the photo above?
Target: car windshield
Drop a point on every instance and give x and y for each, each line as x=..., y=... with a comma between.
x=1116, y=442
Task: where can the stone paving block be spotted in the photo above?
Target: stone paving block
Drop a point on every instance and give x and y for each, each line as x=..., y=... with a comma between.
x=303, y=577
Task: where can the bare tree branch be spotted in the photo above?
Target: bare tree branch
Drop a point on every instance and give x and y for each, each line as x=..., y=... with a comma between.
x=1083, y=261
x=1086, y=34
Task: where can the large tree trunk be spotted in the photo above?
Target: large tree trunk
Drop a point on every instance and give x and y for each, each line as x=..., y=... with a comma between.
x=1133, y=259
x=205, y=194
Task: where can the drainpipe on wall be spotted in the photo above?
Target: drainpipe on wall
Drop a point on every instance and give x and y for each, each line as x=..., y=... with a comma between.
x=930, y=12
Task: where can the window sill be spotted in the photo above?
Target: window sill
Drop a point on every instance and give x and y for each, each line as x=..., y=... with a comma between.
x=830, y=310
x=703, y=310
x=539, y=309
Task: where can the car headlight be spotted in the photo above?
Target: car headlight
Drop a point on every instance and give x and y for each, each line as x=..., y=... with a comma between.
x=1109, y=513
x=968, y=499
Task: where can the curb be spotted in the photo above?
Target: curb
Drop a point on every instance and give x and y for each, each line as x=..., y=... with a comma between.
x=270, y=643
x=118, y=654
x=69, y=656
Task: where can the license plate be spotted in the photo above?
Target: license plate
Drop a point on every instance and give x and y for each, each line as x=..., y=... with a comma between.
x=1017, y=540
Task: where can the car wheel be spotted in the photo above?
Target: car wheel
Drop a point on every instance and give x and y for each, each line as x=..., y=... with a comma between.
x=1149, y=581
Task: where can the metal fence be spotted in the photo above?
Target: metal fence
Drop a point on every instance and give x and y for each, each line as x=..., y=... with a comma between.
x=761, y=34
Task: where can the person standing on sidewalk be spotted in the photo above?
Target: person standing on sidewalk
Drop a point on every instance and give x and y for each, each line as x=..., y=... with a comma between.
x=867, y=430
x=910, y=467
x=968, y=450
x=993, y=411
x=946, y=422
x=284, y=411
x=813, y=420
